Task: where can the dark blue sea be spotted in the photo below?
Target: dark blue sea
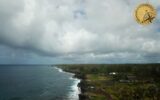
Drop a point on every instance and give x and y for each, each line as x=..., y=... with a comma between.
x=36, y=83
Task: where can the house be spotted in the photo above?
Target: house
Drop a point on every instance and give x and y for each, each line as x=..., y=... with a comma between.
x=113, y=73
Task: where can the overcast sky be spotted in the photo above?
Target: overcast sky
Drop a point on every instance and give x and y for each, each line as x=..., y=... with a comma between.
x=76, y=31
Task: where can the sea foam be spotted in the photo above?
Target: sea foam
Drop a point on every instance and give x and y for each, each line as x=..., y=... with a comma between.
x=75, y=91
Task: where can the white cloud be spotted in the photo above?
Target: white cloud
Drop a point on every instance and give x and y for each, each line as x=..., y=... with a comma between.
x=78, y=27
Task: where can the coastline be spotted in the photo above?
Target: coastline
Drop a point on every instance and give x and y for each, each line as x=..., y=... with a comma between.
x=81, y=85
x=76, y=91
x=116, y=81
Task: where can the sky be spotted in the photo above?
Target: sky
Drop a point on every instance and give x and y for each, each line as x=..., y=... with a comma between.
x=76, y=31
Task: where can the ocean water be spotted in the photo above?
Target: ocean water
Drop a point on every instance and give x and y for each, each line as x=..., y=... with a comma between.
x=36, y=83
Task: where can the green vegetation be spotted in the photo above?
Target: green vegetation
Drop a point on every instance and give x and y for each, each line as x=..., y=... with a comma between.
x=117, y=81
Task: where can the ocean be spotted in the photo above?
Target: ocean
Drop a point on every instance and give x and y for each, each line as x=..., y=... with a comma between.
x=37, y=83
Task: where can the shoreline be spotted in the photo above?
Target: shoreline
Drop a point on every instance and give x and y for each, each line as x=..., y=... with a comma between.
x=76, y=89
x=81, y=85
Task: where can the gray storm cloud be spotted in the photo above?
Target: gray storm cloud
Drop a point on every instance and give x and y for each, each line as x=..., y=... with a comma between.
x=87, y=28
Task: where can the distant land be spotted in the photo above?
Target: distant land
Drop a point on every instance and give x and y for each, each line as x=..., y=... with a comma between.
x=117, y=81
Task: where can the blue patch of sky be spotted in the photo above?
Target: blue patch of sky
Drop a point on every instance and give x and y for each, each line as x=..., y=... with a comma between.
x=80, y=12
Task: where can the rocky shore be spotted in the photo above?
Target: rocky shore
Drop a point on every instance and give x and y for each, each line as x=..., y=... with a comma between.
x=82, y=85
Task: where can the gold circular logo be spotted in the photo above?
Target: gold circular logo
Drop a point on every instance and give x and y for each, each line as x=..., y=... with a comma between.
x=145, y=14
